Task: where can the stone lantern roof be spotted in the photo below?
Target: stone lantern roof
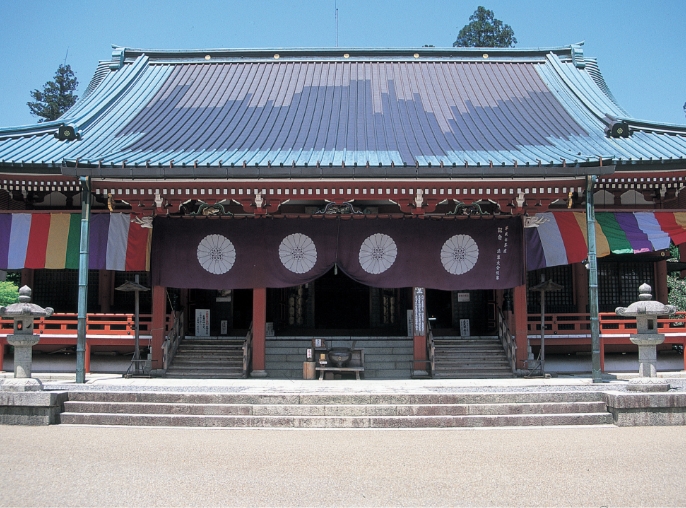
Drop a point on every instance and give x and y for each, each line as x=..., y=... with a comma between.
x=645, y=306
x=24, y=307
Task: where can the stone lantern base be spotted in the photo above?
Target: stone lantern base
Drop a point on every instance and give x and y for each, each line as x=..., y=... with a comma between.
x=648, y=384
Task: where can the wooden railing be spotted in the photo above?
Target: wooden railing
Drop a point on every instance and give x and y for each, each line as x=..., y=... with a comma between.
x=507, y=340
x=96, y=324
x=430, y=348
x=173, y=338
x=579, y=325
x=247, y=352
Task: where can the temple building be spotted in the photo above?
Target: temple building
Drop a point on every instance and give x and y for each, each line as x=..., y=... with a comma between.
x=400, y=202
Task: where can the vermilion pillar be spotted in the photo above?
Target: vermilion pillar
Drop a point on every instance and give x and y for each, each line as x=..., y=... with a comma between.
x=419, y=332
x=521, y=330
x=159, y=318
x=259, y=330
x=660, y=289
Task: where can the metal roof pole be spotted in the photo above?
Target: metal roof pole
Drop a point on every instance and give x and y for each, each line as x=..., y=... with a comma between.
x=83, y=279
x=593, y=280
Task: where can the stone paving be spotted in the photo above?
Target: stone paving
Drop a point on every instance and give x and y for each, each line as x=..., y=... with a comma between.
x=107, y=466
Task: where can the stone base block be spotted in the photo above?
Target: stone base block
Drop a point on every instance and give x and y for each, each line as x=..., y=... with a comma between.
x=648, y=384
x=31, y=408
x=645, y=409
x=21, y=384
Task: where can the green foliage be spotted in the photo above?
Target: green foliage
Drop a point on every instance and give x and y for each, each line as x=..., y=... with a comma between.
x=57, y=95
x=677, y=291
x=484, y=31
x=9, y=293
x=675, y=284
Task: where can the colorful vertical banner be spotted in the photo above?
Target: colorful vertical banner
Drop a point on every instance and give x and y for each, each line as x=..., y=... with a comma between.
x=52, y=241
x=561, y=237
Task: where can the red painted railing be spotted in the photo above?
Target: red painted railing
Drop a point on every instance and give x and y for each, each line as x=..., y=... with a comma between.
x=62, y=324
x=610, y=324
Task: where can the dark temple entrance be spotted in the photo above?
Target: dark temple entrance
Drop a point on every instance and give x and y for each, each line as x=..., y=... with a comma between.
x=446, y=309
x=341, y=303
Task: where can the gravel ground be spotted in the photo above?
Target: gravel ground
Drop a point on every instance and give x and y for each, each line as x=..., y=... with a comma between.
x=109, y=466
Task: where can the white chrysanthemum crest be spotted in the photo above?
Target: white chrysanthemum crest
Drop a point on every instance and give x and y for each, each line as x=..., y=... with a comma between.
x=377, y=253
x=459, y=254
x=298, y=253
x=216, y=254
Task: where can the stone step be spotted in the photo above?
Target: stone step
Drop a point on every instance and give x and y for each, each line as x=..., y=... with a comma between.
x=205, y=373
x=200, y=362
x=516, y=420
x=471, y=363
x=335, y=409
x=428, y=398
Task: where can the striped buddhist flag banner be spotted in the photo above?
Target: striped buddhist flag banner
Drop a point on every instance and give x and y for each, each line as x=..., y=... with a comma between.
x=52, y=241
x=562, y=237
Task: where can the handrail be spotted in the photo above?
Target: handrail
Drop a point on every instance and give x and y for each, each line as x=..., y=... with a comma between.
x=96, y=324
x=579, y=324
x=247, y=352
x=173, y=338
x=509, y=344
x=430, y=347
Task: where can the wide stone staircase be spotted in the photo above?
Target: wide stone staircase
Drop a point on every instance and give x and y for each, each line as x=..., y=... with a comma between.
x=209, y=357
x=470, y=357
x=330, y=410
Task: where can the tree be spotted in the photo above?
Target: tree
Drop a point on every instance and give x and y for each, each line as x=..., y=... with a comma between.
x=675, y=284
x=57, y=95
x=9, y=293
x=484, y=31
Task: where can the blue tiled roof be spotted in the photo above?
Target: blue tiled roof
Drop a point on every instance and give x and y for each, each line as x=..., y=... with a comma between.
x=386, y=112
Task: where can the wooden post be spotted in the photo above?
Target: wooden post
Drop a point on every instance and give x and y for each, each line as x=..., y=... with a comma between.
x=159, y=315
x=259, y=330
x=105, y=289
x=661, y=281
x=580, y=281
x=521, y=329
x=419, y=324
x=3, y=342
x=27, y=277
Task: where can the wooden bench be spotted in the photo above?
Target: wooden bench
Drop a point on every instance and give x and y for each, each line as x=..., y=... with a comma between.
x=356, y=365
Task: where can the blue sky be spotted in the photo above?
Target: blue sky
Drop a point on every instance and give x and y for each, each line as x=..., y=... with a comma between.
x=639, y=44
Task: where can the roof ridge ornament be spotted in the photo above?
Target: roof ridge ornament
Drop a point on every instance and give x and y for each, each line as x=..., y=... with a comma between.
x=578, y=56
x=118, y=54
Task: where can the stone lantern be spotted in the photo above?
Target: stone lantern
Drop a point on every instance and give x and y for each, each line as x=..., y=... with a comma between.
x=23, y=339
x=646, y=312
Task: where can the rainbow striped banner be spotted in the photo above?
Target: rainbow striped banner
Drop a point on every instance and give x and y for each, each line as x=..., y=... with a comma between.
x=562, y=238
x=42, y=240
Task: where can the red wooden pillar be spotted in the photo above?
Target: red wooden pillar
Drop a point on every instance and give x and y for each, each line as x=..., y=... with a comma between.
x=159, y=318
x=27, y=277
x=580, y=274
x=521, y=330
x=105, y=290
x=259, y=330
x=660, y=290
x=419, y=333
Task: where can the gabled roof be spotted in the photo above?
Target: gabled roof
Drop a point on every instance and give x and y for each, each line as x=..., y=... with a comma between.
x=344, y=112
